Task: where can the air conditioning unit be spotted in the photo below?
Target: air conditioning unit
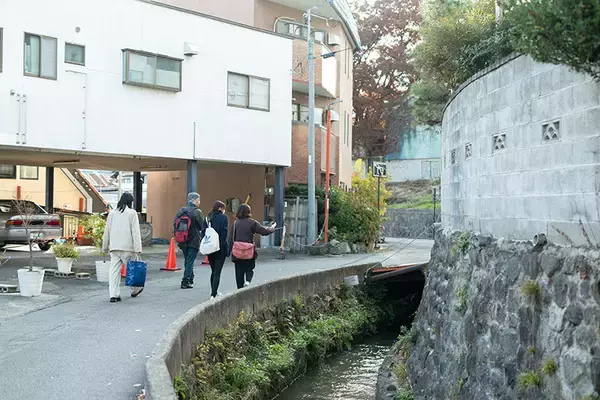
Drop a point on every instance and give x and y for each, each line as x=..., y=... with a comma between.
x=333, y=40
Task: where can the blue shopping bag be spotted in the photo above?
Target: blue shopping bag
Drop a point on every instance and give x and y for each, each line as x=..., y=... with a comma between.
x=136, y=273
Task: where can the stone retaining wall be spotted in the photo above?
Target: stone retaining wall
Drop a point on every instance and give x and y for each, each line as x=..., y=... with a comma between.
x=478, y=333
x=407, y=223
x=179, y=341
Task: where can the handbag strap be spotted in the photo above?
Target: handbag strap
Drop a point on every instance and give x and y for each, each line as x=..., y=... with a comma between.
x=234, y=225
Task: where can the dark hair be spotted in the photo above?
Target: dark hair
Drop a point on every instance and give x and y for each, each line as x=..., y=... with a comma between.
x=125, y=201
x=244, y=211
x=217, y=205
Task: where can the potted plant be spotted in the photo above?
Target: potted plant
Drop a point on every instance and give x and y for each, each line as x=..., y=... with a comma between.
x=65, y=254
x=93, y=228
x=31, y=279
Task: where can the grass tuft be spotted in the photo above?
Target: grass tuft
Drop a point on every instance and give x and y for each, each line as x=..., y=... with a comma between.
x=550, y=367
x=529, y=380
x=531, y=289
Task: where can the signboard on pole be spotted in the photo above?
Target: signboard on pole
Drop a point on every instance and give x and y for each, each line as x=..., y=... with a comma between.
x=379, y=170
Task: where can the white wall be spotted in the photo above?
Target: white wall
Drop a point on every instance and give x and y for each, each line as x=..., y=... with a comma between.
x=533, y=185
x=413, y=170
x=123, y=119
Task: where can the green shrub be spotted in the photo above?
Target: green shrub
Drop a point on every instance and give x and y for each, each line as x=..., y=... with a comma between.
x=529, y=380
x=550, y=367
x=462, y=295
x=459, y=38
x=531, y=350
x=65, y=250
x=531, y=289
x=563, y=32
x=93, y=228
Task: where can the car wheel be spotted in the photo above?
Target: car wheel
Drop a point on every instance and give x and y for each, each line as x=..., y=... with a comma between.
x=45, y=246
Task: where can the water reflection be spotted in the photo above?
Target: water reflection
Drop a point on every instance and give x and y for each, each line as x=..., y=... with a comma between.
x=350, y=375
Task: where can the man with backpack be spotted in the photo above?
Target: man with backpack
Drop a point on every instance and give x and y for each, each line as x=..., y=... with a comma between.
x=187, y=229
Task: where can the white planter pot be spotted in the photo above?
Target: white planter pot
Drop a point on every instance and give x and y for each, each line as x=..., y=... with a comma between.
x=30, y=283
x=102, y=271
x=64, y=264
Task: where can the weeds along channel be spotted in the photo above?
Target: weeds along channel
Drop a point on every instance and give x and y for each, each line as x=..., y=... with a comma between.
x=258, y=356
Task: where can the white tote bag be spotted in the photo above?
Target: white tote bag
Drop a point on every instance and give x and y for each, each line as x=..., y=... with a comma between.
x=210, y=242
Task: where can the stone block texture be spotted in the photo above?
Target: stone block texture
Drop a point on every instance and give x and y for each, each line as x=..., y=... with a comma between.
x=520, y=144
x=414, y=224
x=478, y=332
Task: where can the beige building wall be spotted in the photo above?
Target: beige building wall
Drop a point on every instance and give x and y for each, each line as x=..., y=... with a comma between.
x=265, y=15
x=241, y=11
x=167, y=192
x=66, y=194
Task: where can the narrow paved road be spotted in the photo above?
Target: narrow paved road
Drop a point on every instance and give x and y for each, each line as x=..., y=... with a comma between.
x=88, y=348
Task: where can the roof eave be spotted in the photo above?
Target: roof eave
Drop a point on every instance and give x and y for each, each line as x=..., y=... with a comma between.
x=343, y=10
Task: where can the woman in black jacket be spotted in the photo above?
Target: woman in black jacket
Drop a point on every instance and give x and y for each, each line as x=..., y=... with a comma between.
x=244, y=229
x=219, y=222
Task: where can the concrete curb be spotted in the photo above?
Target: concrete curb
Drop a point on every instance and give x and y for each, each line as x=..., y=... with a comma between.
x=176, y=346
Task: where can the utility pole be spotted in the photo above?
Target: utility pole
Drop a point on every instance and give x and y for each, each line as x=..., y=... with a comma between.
x=312, y=215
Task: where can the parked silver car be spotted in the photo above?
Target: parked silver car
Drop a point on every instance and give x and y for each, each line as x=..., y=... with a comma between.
x=43, y=228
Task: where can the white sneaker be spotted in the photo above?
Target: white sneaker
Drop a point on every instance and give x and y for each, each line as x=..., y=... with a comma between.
x=246, y=284
x=219, y=294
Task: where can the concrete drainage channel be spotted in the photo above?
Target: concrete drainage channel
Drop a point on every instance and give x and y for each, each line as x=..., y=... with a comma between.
x=177, y=345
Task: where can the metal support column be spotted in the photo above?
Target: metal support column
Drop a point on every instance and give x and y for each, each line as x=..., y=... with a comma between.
x=137, y=190
x=50, y=189
x=279, y=204
x=192, y=176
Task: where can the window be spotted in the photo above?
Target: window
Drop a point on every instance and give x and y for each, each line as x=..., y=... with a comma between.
x=151, y=70
x=348, y=127
x=248, y=92
x=74, y=54
x=40, y=56
x=8, y=172
x=1, y=49
x=28, y=172
x=299, y=31
x=300, y=114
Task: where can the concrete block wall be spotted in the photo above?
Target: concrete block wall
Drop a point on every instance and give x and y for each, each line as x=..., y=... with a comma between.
x=179, y=341
x=543, y=180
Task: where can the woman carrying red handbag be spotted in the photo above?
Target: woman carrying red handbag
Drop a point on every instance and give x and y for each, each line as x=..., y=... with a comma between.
x=243, y=253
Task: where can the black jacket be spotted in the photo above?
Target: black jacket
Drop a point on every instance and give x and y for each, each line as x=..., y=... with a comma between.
x=195, y=232
x=243, y=230
x=219, y=223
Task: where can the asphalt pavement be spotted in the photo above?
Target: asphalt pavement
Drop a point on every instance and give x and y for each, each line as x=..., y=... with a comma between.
x=74, y=344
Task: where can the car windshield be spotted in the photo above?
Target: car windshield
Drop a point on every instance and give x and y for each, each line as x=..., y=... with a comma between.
x=20, y=207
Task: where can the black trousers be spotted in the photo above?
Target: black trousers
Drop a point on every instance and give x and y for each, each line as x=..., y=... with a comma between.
x=216, y=262
x=244, y=272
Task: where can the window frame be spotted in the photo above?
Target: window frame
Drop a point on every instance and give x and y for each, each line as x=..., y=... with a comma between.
x=37, y=173
x=74, y=62
x=14, y=174
x=39, y=75
x=125, y=78
x=248, y=101
x=2, y=46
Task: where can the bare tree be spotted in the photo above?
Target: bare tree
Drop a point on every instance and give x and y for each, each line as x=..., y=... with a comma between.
x=27, y=211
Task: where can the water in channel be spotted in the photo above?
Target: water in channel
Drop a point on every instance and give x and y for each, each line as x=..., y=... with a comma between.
x=348, y=375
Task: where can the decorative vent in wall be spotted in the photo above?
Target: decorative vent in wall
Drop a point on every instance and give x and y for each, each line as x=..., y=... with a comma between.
x=453, y=157
x=468, y=150
x=499, y=141
x=551, y=131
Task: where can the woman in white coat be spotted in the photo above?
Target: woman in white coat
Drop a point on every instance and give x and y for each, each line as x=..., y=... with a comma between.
x=122, y=239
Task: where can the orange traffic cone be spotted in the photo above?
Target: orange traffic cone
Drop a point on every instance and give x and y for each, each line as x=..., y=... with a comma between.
x=205, y=260
x=123, y=271
x=171, y=264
